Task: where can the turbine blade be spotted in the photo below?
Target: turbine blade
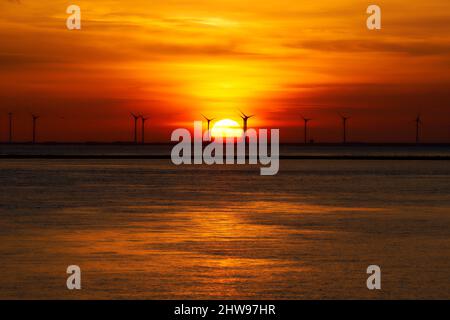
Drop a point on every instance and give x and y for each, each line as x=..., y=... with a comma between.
x=245, y=116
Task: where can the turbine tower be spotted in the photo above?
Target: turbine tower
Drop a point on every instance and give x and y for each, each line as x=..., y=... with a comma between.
x=344, y=127
x=143, y=128
x=35, y=117
x=136, y=118
x=10, y=127
x=418, y=126
x=209, y=121
x=306, y=120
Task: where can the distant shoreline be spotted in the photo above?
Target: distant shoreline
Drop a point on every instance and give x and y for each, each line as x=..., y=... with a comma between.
x=324, y=144
x=167, y=157
x=162, y=151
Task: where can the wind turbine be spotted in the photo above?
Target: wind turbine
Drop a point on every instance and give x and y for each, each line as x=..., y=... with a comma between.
x=344, y=127
x=209, y=121
x=143, y=128
x=245, y=119
x=136, y=118
x=418, y=122
x=10, y=127
x=35, y=117
x=306, y=120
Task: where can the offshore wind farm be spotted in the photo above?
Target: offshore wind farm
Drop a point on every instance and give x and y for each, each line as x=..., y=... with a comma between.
x=418, y=135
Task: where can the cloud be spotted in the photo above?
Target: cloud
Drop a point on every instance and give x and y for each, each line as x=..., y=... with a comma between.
x=414, y=48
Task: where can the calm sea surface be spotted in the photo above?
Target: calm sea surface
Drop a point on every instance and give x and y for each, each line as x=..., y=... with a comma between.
x=149, y=229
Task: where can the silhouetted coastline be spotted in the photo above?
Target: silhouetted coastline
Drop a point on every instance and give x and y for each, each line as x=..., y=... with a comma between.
x=162, y=151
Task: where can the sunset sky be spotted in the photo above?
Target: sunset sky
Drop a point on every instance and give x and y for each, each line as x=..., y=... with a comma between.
x=277, y=59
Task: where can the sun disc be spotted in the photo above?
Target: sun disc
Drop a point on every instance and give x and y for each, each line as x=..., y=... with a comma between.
x=226, y=128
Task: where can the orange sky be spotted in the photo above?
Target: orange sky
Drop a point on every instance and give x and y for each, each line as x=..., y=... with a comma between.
x=173, y=60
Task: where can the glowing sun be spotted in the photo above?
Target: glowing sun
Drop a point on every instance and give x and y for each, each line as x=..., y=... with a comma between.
x=226, y=128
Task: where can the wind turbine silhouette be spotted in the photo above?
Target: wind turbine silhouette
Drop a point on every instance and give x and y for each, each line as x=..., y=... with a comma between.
x=136, y=118
x=306, y=120
x=10, y=127
x=344, y=127
x=35, y=117
x=418, y=122
x=209, y=121
x=143, y=128
x=245, y=119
